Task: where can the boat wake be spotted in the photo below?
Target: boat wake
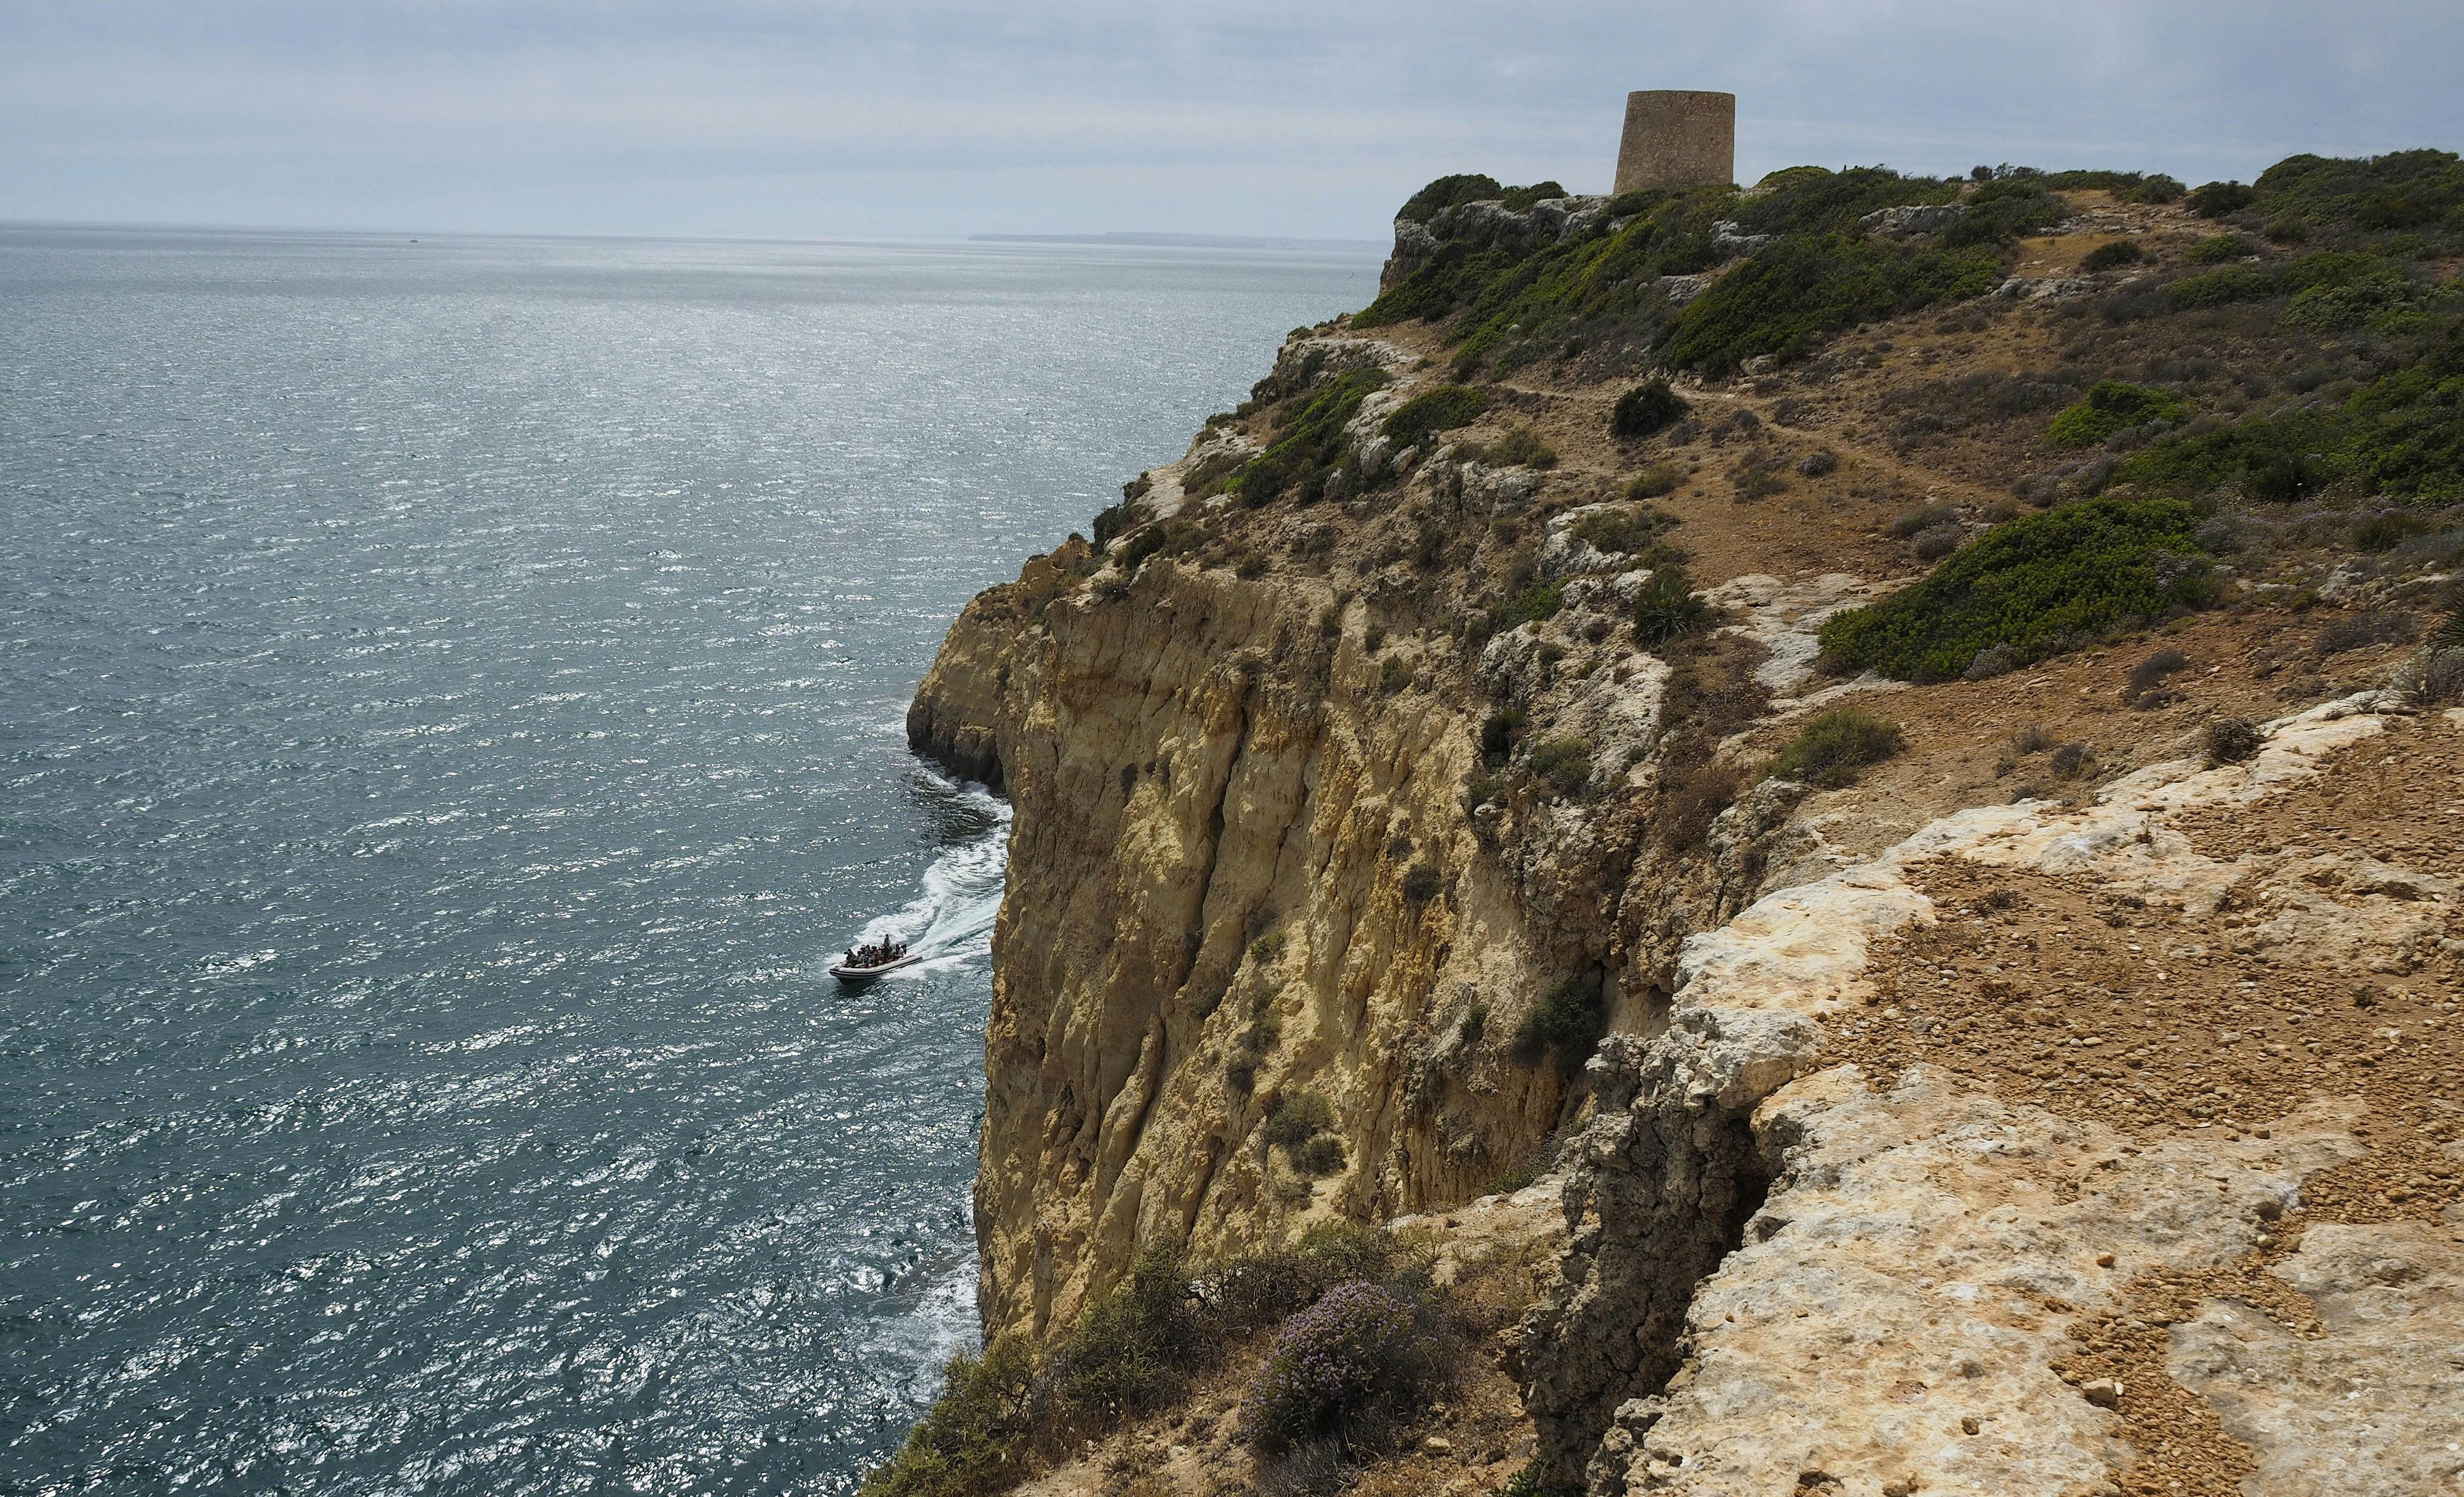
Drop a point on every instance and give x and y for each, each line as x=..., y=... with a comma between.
x=950, y=920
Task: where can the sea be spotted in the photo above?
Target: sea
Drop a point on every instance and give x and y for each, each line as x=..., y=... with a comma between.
x=451, y=712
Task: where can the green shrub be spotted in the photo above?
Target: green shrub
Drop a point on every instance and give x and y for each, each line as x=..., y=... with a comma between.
x=1475, y=1025
x=1603, y=288
x=1519, y=200
x=2217, y=249
x=975, y=1439
x=2387, y=303
x=1126, y=1354
x=2092, y=181
x=2400, y=190
x=1504, y=728
x=2402, y=435
x=2110, y=407
x=1317, y=1155
x=2112, y=256
x=2216, y=199
x=1520, y=448
x=1667, y=607
x=2002, y=210
x=1565, y=763
x=1620, y=532
x=2260, y=283
x=2218, y=288
x=1113, y=524
x=2160, y=188
x=1448, y=193
x=1797, y=290
x=1312, y=442
x=1811, y=200
x=1432, y=411
x=2036, y=584
x=1422, y=883
x=1644, y=410
x=1835, y=748
x=1654, y=482
x=1567, y=1022
x=2450, y=628
x=1173, y=536
x=1535, y=604
x=1297, y=1117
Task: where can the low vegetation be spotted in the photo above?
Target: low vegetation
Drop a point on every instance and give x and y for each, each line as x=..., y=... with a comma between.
x=1359, y=1340
x=1310, y=449
x=1644, y=410
x=2400, y=435
x=1432, y=411
x=1835, y=748
x=2036, y=586
x=1797, y=290
x=2111, y=406
x=1565, y=1024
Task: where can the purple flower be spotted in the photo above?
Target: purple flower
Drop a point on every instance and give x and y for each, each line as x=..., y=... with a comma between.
x=1325, y=1362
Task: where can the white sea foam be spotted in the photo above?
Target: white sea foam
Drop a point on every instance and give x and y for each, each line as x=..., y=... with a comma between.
x=950, y=920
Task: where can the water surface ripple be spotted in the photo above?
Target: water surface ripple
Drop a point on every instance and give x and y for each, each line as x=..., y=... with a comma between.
x=450, y=709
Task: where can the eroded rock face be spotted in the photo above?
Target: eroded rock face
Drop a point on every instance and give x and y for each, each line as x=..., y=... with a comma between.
x=1206, y=849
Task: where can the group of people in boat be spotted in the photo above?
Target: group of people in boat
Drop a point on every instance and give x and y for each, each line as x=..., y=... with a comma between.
x=875, y=954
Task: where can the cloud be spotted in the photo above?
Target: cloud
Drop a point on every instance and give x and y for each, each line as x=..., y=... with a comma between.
x=764, y=117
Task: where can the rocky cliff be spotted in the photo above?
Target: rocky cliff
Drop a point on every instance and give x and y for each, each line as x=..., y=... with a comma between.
x=1438, y=776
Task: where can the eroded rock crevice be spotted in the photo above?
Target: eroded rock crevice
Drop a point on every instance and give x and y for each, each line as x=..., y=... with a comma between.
x=1666, y=1185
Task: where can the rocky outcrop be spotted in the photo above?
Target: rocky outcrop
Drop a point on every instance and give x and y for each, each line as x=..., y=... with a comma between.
x=1486, y=225
x=1893, y=1311
x=1913, y=218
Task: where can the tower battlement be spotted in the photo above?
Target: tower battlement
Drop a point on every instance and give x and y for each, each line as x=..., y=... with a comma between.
x=1677, y=137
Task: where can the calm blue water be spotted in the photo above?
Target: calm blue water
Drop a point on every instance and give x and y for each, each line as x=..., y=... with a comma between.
x=451, y=702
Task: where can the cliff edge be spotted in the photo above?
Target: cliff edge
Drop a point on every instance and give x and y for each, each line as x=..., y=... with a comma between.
x=1893, y=744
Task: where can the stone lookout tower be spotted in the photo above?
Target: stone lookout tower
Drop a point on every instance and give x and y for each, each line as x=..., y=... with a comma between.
x=1677, y=137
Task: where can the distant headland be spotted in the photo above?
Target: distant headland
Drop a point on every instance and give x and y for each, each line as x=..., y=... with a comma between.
x=1193, y=242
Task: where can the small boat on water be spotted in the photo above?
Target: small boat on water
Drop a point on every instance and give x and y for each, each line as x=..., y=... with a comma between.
x=857, y=968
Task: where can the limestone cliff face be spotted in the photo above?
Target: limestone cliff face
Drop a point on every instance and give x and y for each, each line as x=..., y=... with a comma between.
x=1218, y=812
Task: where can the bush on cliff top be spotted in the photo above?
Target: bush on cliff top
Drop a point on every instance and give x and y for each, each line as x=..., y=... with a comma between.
x=1645, y=410
x=2037, y=585
x=1446, y=192
x=1138, y=1348
x=1432, y=411
x=2400, y=190
x=1835, y=748
x=1795, y=291
x=2400, y=437
x=976, y=1440
x=1363, y=1353
x=2111, y=406
x=1312, y=443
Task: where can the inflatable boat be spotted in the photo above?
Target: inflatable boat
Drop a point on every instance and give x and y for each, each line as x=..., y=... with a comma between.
x=852, y=974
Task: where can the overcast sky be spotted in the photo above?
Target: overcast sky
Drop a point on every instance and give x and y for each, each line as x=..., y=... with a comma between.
x=1289, y=116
